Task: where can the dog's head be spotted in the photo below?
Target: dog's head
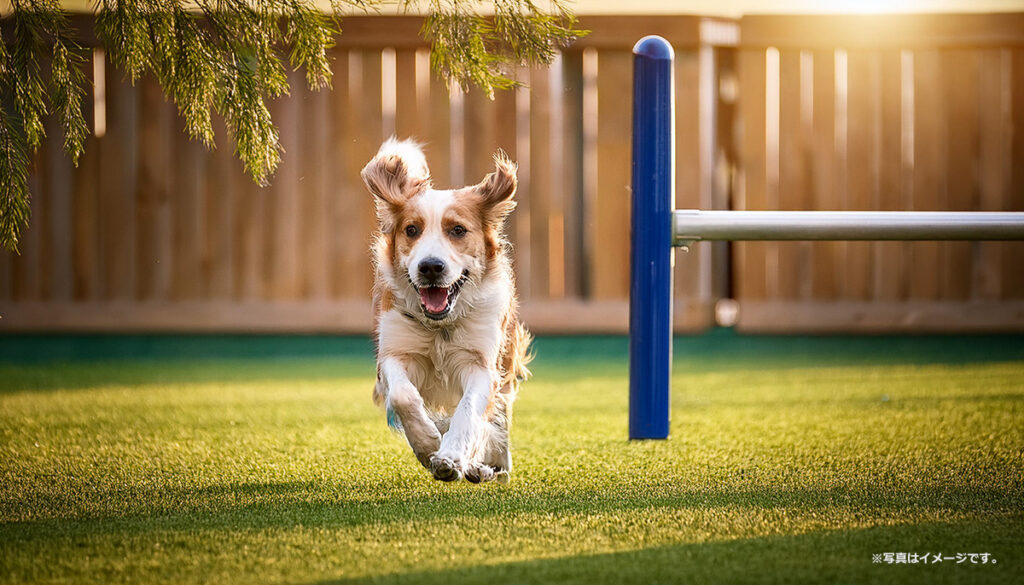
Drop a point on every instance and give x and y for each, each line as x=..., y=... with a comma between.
x=434, y=244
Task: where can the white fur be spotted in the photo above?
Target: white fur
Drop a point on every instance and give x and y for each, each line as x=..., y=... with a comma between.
x=410, y=152
x=432, y=242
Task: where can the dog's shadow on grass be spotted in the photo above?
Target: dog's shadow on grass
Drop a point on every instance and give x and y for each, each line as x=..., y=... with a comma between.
x=834, y=556
x=254, y=506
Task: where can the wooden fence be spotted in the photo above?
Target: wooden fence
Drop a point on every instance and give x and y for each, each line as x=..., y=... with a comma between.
x=154, y=233
x=898, y=112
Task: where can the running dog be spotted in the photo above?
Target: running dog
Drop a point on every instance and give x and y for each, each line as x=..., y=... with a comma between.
x=451, y=350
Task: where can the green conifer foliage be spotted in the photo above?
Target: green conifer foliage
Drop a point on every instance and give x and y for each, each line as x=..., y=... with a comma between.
x=228, y=57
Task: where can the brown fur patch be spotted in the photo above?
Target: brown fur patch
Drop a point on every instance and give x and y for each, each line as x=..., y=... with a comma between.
x=466, y=212
x=494, y=200
x=498, y=188
x=512, y=362
x=388, y=179
x=402, y=242
x=515, y=356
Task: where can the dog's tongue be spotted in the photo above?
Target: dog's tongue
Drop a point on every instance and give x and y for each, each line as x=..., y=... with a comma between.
x=434, y=298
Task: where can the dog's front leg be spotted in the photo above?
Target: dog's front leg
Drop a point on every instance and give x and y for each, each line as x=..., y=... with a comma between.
x=467, y=430
x=405, y=400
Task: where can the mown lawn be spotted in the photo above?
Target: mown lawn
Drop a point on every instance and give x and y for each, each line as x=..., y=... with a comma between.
x=791, y=460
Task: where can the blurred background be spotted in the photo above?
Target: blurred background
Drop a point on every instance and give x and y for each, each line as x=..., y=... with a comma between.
x=792, y=110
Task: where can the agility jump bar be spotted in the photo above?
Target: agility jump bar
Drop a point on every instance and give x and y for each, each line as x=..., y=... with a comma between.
x=693, y=225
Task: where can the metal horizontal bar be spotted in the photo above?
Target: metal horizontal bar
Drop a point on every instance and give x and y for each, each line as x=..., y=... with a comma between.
x=690, y=225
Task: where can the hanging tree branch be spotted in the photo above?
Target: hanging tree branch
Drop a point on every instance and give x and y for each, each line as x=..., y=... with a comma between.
x=228, y=57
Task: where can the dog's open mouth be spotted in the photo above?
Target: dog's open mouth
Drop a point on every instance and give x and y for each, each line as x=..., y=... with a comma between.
x=437, y=301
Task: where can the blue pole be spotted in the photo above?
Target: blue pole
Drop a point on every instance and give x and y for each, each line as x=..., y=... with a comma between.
x=650, y=292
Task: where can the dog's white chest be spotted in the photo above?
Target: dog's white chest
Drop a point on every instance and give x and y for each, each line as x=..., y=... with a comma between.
x=436, y=359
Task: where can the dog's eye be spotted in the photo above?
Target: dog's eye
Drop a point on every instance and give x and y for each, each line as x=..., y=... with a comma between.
x=412, y=231
x=458, y=231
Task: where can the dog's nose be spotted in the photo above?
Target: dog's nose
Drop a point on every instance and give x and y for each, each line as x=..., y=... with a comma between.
x=431, y=268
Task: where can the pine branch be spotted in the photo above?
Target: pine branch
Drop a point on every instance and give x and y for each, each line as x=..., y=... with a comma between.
x=472, y=49
x=14, y=195
x=310, y=34
x=227, y=56
x=68, y=81
x=29, y=90
x=38, y=26
x=248, y=119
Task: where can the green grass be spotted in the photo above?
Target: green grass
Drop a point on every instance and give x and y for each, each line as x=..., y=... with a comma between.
x=790, y=460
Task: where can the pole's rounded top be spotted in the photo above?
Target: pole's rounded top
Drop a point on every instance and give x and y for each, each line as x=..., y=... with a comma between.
x=654, y=47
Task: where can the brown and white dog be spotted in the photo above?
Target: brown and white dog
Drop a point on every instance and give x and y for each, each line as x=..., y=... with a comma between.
x=450, y=348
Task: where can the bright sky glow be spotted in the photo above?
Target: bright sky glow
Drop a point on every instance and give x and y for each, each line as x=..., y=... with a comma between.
x=738, y=7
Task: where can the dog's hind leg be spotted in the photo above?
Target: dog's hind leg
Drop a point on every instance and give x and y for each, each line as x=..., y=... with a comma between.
x=405, y=401
x=499, y=456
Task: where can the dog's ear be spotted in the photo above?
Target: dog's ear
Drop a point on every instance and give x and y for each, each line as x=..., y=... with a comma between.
x=396, y=173
x=498, y=188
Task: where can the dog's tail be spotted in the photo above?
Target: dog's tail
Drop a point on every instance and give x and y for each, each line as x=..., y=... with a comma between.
x=517, y=357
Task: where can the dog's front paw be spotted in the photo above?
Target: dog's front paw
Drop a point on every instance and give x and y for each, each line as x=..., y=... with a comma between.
x=478, y=472
x=444, y=469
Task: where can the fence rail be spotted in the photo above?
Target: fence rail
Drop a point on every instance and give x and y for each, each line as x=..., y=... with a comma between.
x=153, y=232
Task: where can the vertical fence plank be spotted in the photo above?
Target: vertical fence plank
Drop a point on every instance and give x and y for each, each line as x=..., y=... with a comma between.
x=5, y=274
x=771, y=159
x=794, y=180
x=1013, y=256
x=366, y=127
x=86, y=257
x=313, y=188
x=861, y=164
x=509, y=128
x=544, y=198
x=609, y=237
x=929, y=168
x=57, y=283
x=750, y=271
x=439, y=147
x=411, y=118
x=153, y=206
x=689, y=272
x=221, y=238
x=282, y=244
x=725, y=163
x=249, y=205
x=27, y=271
x=554, y=187
x=826, y=262
x=187, y=202
x=572, y=172
x=480, y=136
x=890, y=278
x=960, y=86
x=47, y=171
x=118, y=164
x=993, y=169
x=86, y=248
x=344, y=188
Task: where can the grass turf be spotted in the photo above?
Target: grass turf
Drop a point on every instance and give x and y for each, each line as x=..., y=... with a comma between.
x=791, y=460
